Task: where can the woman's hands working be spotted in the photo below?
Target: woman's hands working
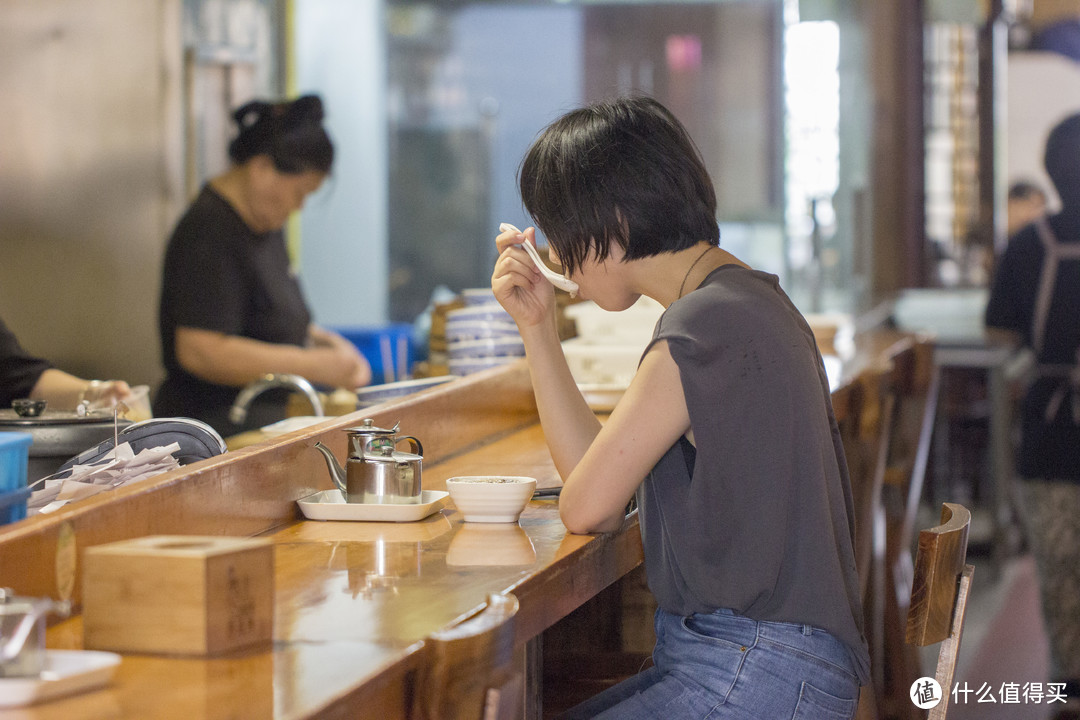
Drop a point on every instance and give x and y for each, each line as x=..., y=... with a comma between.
x=328, y=359
x=349, y=362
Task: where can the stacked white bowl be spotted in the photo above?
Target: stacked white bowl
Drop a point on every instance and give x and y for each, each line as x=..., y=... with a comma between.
x=481, y=335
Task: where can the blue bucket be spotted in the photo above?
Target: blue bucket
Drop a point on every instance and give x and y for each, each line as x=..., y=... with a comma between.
x=14, y=451
x=389, y=349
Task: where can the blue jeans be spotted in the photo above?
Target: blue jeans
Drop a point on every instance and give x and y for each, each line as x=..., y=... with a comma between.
x=724, y=666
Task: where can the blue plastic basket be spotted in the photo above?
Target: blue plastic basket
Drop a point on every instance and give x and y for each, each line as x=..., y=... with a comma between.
x=393, y=343
x=14, y=451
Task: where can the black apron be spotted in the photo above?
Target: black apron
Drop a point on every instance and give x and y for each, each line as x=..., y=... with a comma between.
x=1068, y=387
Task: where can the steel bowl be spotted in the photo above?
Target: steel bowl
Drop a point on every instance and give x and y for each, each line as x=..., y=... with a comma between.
x=25, y=407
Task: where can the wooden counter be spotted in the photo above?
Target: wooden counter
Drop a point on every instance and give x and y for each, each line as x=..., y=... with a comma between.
x=354, y=601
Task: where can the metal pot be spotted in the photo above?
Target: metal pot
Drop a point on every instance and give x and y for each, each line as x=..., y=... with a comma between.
x=59, y=436
x=22, y=633
x=376, y=472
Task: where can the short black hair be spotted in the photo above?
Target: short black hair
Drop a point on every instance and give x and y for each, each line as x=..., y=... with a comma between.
x=1024, y=190
x=624, y=171
x=1062, y=157
x=289, y=133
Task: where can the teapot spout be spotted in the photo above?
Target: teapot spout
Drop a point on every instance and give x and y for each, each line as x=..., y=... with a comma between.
x=337, y=473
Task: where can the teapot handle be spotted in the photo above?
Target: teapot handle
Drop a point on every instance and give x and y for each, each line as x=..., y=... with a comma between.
x=365, y=447
x=417, y=448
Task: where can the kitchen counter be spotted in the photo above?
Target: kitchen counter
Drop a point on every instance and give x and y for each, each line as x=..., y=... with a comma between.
x=354, y=601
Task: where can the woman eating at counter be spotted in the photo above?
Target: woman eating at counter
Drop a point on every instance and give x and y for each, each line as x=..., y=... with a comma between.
x=231, y=307
x=726, y=434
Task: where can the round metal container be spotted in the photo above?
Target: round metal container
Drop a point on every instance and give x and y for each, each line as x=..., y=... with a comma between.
x=58, y=436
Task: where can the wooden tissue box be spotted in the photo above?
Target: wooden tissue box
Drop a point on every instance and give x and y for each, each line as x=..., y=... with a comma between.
x=178, y=594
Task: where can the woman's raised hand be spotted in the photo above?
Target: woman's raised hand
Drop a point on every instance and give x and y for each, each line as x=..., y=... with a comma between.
x=517, y=283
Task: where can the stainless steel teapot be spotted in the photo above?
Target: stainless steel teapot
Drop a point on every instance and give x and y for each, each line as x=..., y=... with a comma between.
x=22, y=632
x=376, y=472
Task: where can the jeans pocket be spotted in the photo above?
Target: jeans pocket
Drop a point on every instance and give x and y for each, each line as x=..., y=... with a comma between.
x=815, y=704
x=701, y=660
x=716, y=631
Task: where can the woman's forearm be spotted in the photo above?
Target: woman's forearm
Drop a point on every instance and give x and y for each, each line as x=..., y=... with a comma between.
x=569, y=424
x=236, y=361
x=64, y=391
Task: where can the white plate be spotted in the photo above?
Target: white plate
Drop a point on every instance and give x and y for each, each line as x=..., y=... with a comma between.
x=330, y=505
x=66, y=672
x=374, y=394
x=290, y=424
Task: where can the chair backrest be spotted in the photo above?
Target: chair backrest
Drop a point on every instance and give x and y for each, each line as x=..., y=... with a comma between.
x=469, y=673
x=917, y=381
x=939, y=594
x=863, y=412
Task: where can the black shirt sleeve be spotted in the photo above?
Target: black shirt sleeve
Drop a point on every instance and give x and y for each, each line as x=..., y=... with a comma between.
x=19, y=370
x=1012, y=294
x=204, y=284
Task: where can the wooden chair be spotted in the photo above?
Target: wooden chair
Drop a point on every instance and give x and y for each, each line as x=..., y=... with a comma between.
x=864, y=413
x=939, y=594
x=469, y=673
x=916, y=379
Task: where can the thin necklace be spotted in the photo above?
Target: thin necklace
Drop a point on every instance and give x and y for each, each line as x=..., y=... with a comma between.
x=692, y=266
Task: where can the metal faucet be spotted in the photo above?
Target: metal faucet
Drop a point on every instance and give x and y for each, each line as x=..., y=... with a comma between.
x=239, y=410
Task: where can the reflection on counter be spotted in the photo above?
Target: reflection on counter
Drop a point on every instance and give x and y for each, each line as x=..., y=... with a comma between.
x=376, y=567
x=373, y=555
x=483, y=544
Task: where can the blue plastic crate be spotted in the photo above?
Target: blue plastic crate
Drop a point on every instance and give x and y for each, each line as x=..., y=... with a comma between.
x=14, y=451
x=387, y=341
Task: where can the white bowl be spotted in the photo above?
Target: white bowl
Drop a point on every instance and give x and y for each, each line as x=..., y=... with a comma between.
x=491, y=312
x=633, y=326
x=467, y=366
x=457, y=331
x=602, y=364
x=487, y=348
x=478, y=296
x=491, y=498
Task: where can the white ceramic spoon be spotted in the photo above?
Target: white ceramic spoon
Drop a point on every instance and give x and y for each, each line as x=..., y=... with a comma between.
x=559, y=281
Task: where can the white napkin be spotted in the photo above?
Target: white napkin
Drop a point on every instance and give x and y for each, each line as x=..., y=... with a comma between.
x=119, y=467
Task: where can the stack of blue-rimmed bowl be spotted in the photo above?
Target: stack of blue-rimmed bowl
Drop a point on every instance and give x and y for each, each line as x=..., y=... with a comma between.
x=480, y=335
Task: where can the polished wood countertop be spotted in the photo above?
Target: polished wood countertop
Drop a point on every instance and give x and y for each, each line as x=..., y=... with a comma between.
x=354, y=600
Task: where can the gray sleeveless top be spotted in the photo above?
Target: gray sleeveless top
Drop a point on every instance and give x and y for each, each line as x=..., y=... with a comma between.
x=758, y=517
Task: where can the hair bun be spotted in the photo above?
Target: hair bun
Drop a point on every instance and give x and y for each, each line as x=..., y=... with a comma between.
x=289, y=132
x=305, y=110
x=251, y=113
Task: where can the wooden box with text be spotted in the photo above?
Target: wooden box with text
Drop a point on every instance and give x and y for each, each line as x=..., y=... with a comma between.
x=178, y=594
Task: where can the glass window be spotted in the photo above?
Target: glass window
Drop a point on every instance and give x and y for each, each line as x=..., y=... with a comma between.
x=776, y=101
x=471, y=85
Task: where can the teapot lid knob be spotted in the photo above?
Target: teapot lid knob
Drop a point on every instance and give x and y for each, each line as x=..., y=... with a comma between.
x=368, y=428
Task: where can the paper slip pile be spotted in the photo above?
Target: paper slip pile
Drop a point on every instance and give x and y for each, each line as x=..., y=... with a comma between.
x=119, y=467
